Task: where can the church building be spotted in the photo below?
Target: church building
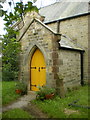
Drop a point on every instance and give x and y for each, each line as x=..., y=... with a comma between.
x=55, y=46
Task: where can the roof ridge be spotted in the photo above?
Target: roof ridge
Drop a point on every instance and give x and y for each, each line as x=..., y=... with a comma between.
x=62, y=11
x=49, y=5
x=28, y=25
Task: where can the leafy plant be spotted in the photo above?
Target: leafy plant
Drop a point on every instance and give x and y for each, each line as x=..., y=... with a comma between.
x=21, y=86
x=19, y=11
x=9, y=74
x=10, y=58
x=43, y=91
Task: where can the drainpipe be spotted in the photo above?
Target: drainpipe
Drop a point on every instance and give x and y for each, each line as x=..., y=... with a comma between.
x=58, y=26
x=82, y=81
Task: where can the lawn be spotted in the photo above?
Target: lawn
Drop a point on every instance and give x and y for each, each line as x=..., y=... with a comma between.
x=8, y=92
x=58, y=107
x=16, y=113
x=55, y=108
x=8, y=96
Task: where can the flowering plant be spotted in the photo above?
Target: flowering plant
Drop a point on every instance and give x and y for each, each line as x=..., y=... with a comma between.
x=22, y=87
x=45, y=91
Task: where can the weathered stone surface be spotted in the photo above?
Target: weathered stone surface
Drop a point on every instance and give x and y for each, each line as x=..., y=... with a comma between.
x=77, y=30
x=71, y=68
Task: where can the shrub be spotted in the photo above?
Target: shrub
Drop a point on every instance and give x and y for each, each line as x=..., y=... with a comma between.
x=8, y=74
x=43, y=91
x=21, y=86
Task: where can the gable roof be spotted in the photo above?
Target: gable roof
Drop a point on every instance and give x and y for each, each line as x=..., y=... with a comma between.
x=26, y=27
x=63, y=9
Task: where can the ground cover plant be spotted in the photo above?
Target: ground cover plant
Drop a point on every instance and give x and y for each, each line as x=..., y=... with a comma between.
x=58, y=107
x=8, y=92
x=16, y=113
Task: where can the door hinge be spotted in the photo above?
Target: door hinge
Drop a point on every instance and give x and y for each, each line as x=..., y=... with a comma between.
x=33, y=67
x=34, y=85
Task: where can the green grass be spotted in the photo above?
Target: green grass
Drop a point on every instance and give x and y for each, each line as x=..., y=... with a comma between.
x=8, y=92
x=0, y=116
x=58, y=107
x=16, y=113
x=8, y=96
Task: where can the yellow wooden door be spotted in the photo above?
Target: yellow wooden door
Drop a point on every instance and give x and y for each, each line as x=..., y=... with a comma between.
x=38, y=70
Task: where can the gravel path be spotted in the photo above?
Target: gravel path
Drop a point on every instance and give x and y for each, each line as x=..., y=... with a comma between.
x=25, y=103
x=21, y=102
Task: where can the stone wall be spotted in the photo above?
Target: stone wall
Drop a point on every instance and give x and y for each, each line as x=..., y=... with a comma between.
x=53, y=26
x=77, y=30
x=69, y=68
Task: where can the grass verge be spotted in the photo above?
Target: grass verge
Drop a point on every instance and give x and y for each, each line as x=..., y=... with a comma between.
x=8, y=92
x=58, y=107
x=16, y=113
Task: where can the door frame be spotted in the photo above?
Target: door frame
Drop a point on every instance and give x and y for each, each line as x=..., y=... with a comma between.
x=33, y=49
x=31, y=64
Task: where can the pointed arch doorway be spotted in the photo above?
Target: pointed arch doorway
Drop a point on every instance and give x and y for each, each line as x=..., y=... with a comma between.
x=38, y=70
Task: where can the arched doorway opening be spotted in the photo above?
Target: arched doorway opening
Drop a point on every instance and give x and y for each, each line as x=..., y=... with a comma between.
x=37, y=70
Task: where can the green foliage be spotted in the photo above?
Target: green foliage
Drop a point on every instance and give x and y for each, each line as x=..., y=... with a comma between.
x=10, y=58
x=30, y=7
x=21, y=86
x=58, y=107
x=19, y=11
x=8, y=74
x=8, y=92
x=10, y=46
x=44, y=91
x=16, y=113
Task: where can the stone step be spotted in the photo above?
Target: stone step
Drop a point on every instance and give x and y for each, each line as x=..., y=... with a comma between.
x=31, y=93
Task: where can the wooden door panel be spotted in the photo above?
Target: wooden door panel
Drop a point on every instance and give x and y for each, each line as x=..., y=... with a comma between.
x=38, y=70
